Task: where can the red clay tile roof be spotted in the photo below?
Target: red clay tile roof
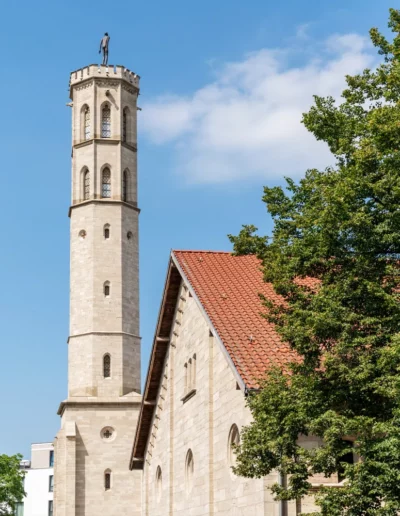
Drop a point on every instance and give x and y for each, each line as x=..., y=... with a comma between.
x=228, y=288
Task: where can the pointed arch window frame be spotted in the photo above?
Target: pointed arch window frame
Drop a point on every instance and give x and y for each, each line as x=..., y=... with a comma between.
x=86, y=184
x=105, y=131
x=107, y=366
x=106, y=183
x=86, y=123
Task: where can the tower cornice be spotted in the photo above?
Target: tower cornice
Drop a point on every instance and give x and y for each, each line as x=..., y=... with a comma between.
x=107, y=141
x=102, y=202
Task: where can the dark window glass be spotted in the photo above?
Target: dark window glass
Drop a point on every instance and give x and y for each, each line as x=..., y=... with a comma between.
x=50, y=507
x=124, y=126
x=347, y=459
x=125, y=186
x=106, y=233
x=107, y=481
x=107, y=366
x=51, y=460
x=51, y=483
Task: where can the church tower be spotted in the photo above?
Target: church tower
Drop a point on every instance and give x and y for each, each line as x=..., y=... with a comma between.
x=99, y=417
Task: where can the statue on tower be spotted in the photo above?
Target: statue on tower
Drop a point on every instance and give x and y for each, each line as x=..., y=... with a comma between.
x=104, y=47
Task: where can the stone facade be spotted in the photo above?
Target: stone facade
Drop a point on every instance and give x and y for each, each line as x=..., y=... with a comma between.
x=199, y=411
x=98, y=418
x=198, y=418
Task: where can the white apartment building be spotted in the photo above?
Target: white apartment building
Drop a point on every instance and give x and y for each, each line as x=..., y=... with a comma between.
x=38, y=481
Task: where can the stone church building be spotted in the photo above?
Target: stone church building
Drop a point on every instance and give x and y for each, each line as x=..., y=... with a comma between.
x=168, y=451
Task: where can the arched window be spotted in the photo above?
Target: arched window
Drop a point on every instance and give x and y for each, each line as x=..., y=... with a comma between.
x=86, y=185
x=125, y=126
x=86, y=123
x=107, y=366
x=233, y=442
x=189, y=471
x=158, y=483
x=107, y=479
x=106, y=183
x=125, y=186
x=106, y=122
x=107, y=289
x=107, y=231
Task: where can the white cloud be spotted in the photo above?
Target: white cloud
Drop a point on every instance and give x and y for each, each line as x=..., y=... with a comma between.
x=247, y=122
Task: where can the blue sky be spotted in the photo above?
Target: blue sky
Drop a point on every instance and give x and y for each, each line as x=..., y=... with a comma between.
x=223, y=87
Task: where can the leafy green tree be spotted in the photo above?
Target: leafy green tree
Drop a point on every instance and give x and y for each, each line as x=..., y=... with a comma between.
x=248, y=242
x=11, y=484
x=340, y=227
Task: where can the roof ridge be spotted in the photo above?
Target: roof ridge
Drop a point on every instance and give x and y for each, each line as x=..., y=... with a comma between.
x=200, y=251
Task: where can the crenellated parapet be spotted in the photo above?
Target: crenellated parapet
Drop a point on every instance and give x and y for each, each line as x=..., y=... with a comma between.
x=95, y=71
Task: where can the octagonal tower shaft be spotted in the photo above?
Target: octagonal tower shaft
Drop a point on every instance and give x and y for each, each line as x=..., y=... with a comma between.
x=104, y=294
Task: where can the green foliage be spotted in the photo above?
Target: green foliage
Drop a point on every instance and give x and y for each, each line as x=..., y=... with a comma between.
x=248, y=242
x=340, y=226
x=11, y=484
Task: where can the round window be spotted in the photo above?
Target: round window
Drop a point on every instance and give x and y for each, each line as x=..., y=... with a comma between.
x=108, y=434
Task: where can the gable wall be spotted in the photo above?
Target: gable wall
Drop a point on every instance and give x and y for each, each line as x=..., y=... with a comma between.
x=202, y=424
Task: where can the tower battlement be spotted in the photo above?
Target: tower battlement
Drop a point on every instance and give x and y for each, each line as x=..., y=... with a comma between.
x=111, y=72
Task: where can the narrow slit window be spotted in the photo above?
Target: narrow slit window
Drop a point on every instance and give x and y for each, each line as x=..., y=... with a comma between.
x=106, y=122
x=106, y=184
x=125, y=186
x=107, y=366
x=124, y=126
x=106, y=232
x=107, y=480
x=107, y=289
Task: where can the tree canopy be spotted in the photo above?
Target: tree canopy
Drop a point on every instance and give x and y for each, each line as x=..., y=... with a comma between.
x=341, y=227
x=11, y=484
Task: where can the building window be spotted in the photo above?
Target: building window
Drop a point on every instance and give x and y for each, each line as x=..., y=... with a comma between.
x=190, y=377
x=124, y=126
x=125, y=186
x=51, y=483
x=158, y=483
x=348, y=458
x=107, y=366
x=86, y=123
x=50, y=507
x=189, y=471
x=107, y=231
x=107, y=288
x=106, y=183
x=86, y=185
x=107, y=480
x=106, y=122
x=51, y=459
x=108, y=434
x=233, y=442
x=19, y=509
